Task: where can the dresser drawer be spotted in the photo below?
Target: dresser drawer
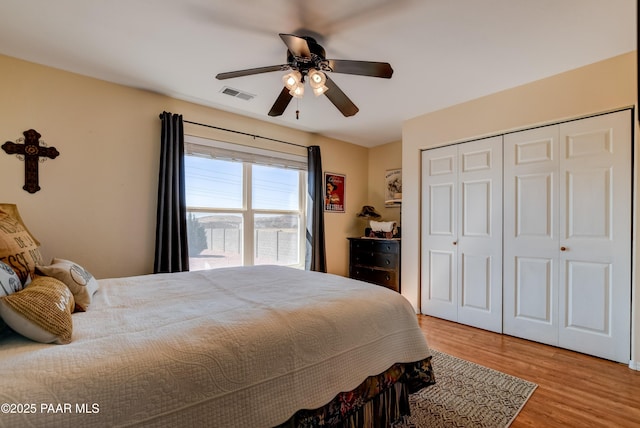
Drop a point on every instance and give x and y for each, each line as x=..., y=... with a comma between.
x=387, y=278
x=370, y=258
x=375, y=246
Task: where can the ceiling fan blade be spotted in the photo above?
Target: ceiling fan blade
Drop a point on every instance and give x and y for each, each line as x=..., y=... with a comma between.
x=296, y=45
x=361, y=68
x=281, y=103
x=340, y=99
x=250, y=71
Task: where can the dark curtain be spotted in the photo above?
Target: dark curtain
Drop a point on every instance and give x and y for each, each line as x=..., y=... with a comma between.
x=171, y=223
x=315, y=251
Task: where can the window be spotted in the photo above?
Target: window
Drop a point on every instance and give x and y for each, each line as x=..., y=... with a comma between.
x=245, y=206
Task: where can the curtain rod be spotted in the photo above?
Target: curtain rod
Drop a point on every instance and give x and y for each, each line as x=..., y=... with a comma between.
x=243, y=133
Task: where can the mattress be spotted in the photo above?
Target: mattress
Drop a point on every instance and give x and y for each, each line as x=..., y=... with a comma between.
x=227, y=347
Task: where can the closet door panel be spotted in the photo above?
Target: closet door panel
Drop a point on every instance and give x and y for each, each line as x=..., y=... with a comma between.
x=588, y=291
x=595, y=235
x=530, y=283
x=480, y=233
x=532, y=218
x=476, y=282
x=531, y=308
x=476, y=208
x=588, y=191
x=442, y=209
x=533, y=289
x=439, y=275
x=442, y=274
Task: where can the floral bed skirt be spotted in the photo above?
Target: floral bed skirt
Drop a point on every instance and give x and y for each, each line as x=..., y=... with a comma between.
x=376, y=402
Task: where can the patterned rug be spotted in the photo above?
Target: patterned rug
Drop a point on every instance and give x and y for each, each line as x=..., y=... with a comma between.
x=467, y=395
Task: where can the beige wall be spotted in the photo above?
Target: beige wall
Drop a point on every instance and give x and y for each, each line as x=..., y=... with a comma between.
x=98, y=199
x=381, y=159
x=599, y=87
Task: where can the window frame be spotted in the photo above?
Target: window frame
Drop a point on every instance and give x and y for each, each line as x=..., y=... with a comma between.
x=248, y=213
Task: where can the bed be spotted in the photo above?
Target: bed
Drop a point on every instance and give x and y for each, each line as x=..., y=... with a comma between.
x=259, y=346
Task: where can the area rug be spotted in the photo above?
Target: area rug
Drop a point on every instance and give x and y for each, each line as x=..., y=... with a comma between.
x=467, y=395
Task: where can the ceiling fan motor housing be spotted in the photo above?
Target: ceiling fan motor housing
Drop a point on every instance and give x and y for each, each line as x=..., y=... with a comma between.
x=317, y=59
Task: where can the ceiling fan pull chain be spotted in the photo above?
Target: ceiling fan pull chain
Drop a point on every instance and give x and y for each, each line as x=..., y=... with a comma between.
x=297, y=109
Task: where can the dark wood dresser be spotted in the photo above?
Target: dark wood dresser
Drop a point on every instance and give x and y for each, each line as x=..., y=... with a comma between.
x=376, y=261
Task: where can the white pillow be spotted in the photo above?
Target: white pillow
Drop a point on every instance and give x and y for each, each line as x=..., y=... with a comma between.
x=81, y=283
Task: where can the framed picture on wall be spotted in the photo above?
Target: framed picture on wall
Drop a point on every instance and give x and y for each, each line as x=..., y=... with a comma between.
x=393, y=188
x=334, y=192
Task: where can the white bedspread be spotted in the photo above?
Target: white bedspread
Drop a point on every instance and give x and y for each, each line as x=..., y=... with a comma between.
x=241, y=347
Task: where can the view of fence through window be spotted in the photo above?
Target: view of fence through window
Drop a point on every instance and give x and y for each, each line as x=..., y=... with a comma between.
x=242, y=213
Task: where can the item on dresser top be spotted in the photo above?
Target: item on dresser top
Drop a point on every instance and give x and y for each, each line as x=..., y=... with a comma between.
x=382, y=229
x=369, y=212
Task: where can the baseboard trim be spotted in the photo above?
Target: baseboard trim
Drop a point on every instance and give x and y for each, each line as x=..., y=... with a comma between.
x=634, y=365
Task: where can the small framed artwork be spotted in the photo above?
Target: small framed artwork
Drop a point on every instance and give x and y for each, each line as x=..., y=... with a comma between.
x=393, y=189
x=334, y=192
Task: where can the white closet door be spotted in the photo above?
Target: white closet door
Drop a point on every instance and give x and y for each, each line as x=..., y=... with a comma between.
x=480, y=234
x=462, y=233
x=531, y=234
x=439, y=284
x=595, y=236
x=567, y=235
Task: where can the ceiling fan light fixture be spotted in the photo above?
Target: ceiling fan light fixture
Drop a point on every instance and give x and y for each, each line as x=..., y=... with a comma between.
x=317, y=79
x=292, y=79
x=320, y=90
x=298, y=90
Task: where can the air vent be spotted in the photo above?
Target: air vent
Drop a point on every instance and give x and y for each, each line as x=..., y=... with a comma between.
x=237, y=93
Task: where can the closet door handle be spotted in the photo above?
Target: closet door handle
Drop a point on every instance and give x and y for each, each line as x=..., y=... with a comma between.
x=563, y=248
x=455, y=242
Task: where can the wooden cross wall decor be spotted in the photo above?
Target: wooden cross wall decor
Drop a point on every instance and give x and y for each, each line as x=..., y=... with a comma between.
x=31, y=152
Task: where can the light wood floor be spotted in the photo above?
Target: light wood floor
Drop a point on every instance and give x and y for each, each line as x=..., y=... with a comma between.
x=574, y=390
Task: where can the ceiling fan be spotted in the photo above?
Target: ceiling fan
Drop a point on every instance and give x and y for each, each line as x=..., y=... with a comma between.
x=306, y=58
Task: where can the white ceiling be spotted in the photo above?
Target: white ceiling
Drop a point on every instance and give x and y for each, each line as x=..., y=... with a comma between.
x=443, y=51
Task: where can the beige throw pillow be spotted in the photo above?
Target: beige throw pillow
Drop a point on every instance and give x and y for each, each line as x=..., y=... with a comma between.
x=12, y=210
x=17, y=247
x=81, y=283
x=41, y=312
